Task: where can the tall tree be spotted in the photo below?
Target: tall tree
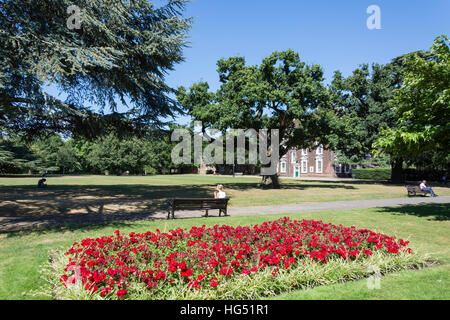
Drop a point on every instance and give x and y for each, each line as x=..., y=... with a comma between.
x=120, y=53
x=362, y=107
x=282, y=93
x=422, y=106
x=17, y=157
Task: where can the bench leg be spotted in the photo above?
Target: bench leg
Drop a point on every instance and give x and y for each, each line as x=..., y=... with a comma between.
x=206, y=213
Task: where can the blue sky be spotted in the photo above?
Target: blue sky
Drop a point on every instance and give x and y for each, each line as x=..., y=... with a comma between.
x=331, y=33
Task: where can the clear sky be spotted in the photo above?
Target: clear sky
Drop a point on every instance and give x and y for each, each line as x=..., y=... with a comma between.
x=332, y=33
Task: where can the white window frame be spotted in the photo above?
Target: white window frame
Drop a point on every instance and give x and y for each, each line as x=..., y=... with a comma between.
x=304, y=152
x=317, y=166
x=305, y=169
x=338, y=168
x=283, y=167
x=347, y=168
x=294, y=156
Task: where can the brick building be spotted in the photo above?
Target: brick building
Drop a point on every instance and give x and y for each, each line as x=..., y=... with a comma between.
x=317, y=162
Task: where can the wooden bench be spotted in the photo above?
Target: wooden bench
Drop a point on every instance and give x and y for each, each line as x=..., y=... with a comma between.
x=197, y=204
x=414, y=190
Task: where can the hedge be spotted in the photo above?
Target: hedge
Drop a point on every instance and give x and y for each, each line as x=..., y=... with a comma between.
x=372, y=173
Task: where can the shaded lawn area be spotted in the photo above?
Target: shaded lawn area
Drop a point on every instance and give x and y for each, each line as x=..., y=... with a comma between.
x=70, y=195
x=426, y=226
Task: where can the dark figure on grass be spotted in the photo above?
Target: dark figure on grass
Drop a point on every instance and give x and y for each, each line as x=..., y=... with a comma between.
x=424, y=187
x=41, y=183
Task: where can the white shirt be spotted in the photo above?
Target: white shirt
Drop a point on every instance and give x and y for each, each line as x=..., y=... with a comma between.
x=422, y=186
x=221, y=195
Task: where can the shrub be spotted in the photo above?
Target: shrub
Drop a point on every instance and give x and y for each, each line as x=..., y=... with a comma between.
x=150, y=170
x=372, y=173
x=242, y=262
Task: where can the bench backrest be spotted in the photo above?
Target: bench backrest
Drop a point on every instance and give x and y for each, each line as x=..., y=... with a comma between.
x=199, y=203
x=413, y=188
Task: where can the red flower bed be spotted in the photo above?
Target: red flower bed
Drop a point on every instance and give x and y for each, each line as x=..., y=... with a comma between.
x=204, y=257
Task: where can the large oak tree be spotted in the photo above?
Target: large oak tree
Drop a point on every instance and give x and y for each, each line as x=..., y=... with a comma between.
x=281, y=93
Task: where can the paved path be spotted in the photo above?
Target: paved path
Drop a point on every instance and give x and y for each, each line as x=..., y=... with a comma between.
x=21, y=223
x=337, y=205
x=317, y=206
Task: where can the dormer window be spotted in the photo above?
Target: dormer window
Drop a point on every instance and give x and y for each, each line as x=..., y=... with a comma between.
x=319, y=149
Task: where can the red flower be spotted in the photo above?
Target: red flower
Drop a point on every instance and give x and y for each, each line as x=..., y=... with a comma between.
x=121, y=293
x=111, y=263
x=213, y=282
x=186, y=273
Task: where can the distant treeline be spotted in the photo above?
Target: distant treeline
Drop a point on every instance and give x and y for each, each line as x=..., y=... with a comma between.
x=109, y=154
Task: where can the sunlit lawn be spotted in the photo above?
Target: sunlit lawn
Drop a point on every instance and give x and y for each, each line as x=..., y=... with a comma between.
x=426, y=226
x=72, y=194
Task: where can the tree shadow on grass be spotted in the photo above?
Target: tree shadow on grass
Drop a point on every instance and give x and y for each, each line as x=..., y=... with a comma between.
x=25, y=206
x=142, y=191
x=95, y=225
x=433, y=212
x=70, y=228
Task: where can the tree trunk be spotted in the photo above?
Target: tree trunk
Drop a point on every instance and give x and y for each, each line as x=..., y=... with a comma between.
x=270, y=182
x=397, y=171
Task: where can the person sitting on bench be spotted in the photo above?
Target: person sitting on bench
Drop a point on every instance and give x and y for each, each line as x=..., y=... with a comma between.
x=41, y=183
x=423, y=186
x=219, y=193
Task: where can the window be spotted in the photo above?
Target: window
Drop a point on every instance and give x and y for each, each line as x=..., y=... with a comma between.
x=304, y=166
x=318, y=166
x=347, y=168
x=283, y=167
x=338, y=168
x=319, y=150
x=294, y=156
x=304, y=152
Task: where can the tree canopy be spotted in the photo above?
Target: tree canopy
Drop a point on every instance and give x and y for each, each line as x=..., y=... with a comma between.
x=360, y=107
x=281, y=93
x=120, y=54
x=422, y=106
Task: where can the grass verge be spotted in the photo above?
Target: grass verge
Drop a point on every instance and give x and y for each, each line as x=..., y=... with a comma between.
x=23, y=253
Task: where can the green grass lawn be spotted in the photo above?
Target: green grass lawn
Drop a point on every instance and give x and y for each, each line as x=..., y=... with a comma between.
x=426, y=226
x=108, y=194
